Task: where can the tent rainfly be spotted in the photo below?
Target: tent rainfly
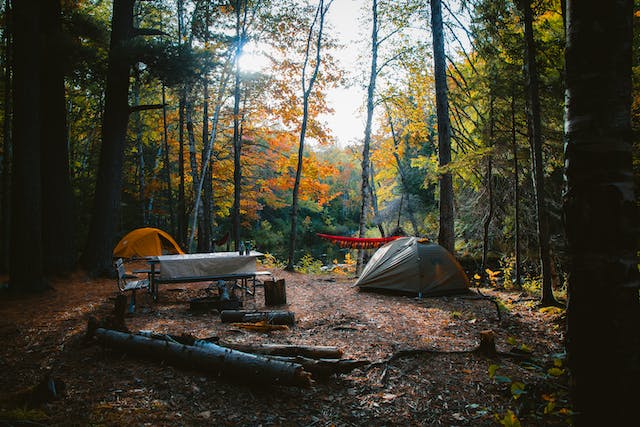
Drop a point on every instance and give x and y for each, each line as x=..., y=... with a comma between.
x=411, y=265
x=146, y=241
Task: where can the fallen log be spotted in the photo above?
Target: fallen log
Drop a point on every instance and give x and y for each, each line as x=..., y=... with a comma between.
x=271, y=317
x=324, y=368
x=222, y=361
x=319, y=368
x=291, y=350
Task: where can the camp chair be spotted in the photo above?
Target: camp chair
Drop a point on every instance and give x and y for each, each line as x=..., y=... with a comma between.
x=127, y=284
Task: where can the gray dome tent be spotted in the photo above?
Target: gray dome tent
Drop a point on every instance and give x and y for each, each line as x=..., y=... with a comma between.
x=411, y=265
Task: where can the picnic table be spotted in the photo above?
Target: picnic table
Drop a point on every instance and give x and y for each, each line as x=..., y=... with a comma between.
x=204, y=267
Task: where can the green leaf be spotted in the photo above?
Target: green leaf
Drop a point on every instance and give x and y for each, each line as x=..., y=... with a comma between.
x=492, y=370
x=509, y=419
x=502, y=379
x=556, y=372
x=517, y=389
x=512, y=341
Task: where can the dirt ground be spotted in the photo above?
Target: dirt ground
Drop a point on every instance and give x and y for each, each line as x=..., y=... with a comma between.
x=43, y=334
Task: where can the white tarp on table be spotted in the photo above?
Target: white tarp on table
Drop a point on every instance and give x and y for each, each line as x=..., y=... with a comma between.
x=206, y=264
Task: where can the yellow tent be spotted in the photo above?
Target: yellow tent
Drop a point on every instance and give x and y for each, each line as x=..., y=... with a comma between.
x=147, y=241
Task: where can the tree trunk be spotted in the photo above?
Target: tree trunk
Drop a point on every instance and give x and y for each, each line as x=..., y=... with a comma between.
x=137, y=125
x=58, y=227
x=209, y=357
x=97, y=255
x=237, y=135
x=275, y=292
x=516, y=194
x=371, y=89
x=489, y=185
x=601, y=214
x=167, y=164
x=5, y=207
x=26, y=263
x=446, y=235
x=204, y=242
x=182, y=213
x=306, y=93
x=535, y=140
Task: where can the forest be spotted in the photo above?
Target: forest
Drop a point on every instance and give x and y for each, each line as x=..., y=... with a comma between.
x=504, y=130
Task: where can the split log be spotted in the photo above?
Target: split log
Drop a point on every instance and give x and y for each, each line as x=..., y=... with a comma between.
x=275, y=292
x=312, y=352
x=260, y=327
x=271, y=317
x=223, y=361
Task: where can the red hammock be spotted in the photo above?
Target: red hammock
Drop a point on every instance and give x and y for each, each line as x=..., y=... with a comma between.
x=358, y=242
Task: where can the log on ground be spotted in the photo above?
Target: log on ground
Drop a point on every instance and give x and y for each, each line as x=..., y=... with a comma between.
x=324, y=368
x=223, y=361
x=271, y=317
x=312, y=352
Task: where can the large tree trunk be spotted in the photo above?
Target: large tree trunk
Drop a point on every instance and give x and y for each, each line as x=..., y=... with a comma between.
x=5, y=207
x=97, y=256
x=446, y=235
x=601, y=215
x=58, y=225
x=26, y=263
x=535, y=140
x=371, y=90
x=306, y=93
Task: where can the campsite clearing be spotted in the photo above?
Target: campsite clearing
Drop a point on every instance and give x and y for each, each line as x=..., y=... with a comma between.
x=44, y=333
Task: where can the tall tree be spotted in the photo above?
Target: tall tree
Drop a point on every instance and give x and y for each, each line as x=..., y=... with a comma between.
x=535, y=141
x=58, y=226
x=5, y=186
x=366, y=145
x=601, y=214
x=26, y=264
x=446, y=235
x=241, y=14
x=307, y=88
x=97, y=254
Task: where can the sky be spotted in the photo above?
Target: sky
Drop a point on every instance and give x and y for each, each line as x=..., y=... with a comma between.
x=348, y=120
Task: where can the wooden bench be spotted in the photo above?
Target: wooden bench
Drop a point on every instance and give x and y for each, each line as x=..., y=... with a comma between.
x=129, y=283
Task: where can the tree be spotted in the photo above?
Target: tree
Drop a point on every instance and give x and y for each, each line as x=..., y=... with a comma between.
x=446, y=235
x=535, y=140
x=97, y=254
x=601, y=215
x=26, y=263
x=307, y=88
x=366, y=150
x=58, y=220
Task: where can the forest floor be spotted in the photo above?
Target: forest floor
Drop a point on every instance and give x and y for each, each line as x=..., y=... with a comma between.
x=438, y=385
